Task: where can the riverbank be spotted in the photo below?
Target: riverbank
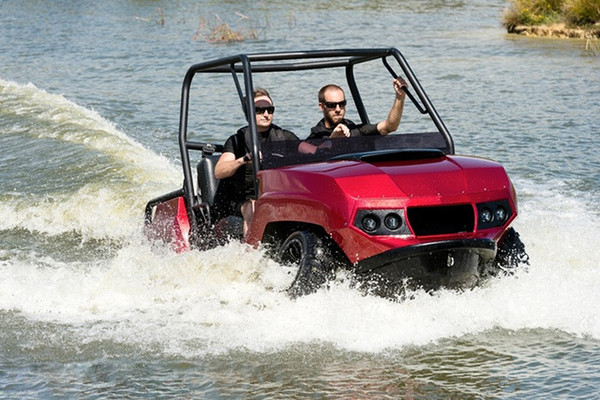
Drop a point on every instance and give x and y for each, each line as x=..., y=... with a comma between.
x=559, y=30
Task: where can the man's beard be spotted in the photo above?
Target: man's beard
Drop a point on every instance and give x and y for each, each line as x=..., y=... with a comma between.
x=331, y=122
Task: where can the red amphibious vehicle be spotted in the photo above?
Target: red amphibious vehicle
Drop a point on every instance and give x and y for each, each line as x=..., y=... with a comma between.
x=398, y=211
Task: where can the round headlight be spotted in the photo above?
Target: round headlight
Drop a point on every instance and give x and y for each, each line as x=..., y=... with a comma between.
x=500, y=214
x=370, y=222
x=485, y=215
x=392, y=221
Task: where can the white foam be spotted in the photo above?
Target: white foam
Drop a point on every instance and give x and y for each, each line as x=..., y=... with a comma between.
x=71, y=122
x=231, y=296
x=112, y=208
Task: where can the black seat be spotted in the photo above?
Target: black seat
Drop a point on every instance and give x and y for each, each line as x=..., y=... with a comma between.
x=207, y=183
x=226, y=226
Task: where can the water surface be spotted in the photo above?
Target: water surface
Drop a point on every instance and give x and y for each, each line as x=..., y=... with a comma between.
x=89, y=97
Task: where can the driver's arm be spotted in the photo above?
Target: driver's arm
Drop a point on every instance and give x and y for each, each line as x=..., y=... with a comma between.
x=228, y=164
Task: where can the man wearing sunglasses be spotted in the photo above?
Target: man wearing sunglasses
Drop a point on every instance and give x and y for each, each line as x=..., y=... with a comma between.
x=332, y=103
x=234, y=167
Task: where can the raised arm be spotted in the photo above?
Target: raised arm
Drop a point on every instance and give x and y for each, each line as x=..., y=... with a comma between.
x=390, y=124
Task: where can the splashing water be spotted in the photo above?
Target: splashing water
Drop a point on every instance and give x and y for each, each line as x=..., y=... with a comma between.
x=117, y=287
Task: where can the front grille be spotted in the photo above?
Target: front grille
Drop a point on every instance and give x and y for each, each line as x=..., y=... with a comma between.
x=427, y=221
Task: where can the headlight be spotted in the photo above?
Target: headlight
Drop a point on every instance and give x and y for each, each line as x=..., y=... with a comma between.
x=485, y=215
x=500, y=214
x=493, y=214
x=370, y=223
x=381, y=222
x=392, y=221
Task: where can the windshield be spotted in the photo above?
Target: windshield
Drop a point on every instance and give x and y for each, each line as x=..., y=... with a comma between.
x=277, y=154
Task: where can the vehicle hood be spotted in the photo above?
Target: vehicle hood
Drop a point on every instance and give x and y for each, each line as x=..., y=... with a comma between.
x=448, y=176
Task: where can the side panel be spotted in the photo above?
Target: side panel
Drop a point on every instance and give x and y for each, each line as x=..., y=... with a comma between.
x=171, y=225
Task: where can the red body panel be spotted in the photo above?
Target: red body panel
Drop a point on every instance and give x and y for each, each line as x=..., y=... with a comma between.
x=328, y=194
x=171, y=224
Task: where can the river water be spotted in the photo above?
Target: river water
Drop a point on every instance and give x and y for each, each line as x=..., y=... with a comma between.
x=89, y=97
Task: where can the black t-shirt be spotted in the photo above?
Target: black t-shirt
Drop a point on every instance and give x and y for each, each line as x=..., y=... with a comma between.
x=320, y=131
x=236, y=189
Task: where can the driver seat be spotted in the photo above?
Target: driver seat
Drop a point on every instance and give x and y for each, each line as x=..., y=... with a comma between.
x=207, y=183
x=225, y=226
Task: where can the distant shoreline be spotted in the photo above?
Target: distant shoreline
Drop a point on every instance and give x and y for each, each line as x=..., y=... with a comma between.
x=556, y=31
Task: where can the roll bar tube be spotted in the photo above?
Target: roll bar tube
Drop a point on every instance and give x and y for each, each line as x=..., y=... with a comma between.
x=185, y=145
x=416, y=85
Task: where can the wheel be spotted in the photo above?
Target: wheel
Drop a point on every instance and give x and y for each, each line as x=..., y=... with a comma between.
x=510, y=255
x=310, y=259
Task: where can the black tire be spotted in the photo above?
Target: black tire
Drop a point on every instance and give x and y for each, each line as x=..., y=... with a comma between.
x=511, y=254
x=311, y=260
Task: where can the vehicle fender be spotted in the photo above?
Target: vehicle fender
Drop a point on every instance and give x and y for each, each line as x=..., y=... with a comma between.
x=286, y=196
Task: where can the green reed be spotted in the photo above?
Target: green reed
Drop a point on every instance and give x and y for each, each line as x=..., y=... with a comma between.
x=544, y=12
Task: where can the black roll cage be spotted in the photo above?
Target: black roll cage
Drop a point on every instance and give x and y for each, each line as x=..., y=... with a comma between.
x=248, y=64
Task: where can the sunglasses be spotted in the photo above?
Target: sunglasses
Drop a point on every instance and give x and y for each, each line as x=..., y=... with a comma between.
x=261, y=110
x=333, y=104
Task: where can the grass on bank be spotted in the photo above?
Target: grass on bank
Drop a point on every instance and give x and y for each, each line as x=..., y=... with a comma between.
x=572, y=13
x=217, y=31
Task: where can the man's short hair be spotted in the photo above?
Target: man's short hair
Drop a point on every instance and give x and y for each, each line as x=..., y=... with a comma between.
x=258, y=92
x=326, y=88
